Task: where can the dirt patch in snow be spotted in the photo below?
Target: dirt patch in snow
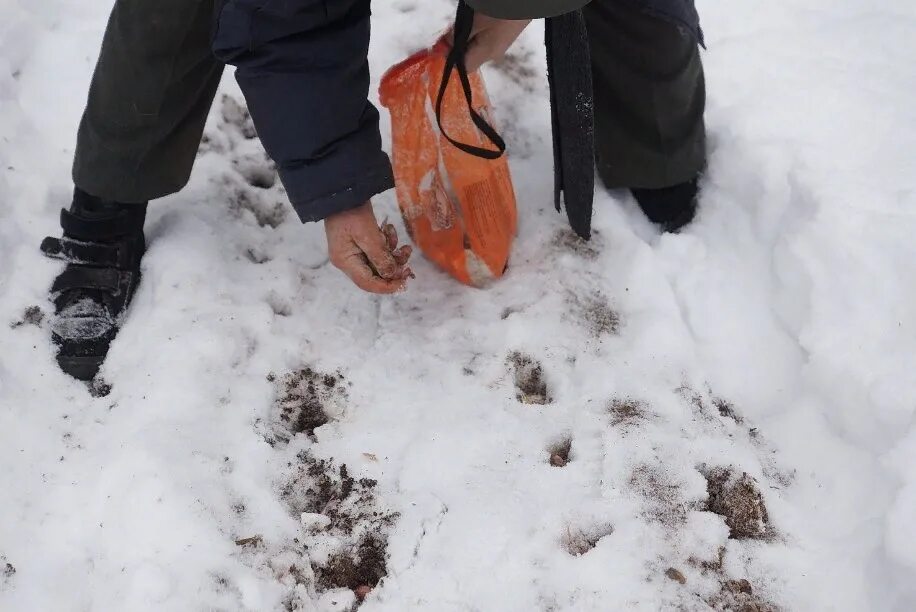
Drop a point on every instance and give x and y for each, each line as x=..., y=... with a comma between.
x=709, y=406
x=343, y=540
x=7, y=571
x=334, y=503
x=664, y=500
x=739, y=596
x=530, y=383
x=320, y=487
x=566, y=240
x=99, y=388
x=359, y=569
x=627, y=411
x=727, y=410
x=558, y=452
x=306, y=398
x=595, y=312
x=33, y=315
x=579, y=540
x=737, y=498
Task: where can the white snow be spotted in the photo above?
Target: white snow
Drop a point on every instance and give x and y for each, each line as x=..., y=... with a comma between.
x=792, y=298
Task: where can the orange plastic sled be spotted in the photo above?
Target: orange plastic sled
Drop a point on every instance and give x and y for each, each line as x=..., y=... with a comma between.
x=459, y=208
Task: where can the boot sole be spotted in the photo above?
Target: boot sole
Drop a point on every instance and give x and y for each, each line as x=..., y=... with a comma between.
x=81, y=368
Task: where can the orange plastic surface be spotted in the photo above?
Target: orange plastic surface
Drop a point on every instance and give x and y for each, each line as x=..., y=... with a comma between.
x=459, y=209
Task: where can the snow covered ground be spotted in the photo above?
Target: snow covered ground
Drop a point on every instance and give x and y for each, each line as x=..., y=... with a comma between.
x=775, y=338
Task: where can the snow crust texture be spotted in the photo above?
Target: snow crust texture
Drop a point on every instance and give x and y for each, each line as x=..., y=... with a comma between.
x=717, y=420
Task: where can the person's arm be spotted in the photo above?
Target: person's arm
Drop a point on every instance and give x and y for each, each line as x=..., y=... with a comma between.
x=303, y=68
x=525, y=9
x=498, y=23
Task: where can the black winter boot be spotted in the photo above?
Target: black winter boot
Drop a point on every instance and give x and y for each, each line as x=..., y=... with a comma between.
x=671, y=208
x=102, y=244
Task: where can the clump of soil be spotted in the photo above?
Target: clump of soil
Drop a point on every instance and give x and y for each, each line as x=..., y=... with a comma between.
x=676, y=575
x=567, y=240
x=359, y=569
x=32, y=315
x=99, y=388
x=626, y=411
x=577, y=541
x=303, y=397
x=530, y=384
x=738, y=596
x=737, y=498
x=664, y=499
x=559, y=453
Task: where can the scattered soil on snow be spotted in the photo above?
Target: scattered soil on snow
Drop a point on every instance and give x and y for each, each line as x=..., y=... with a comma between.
x=737, y=498
x=727, y=410
x=303, y=397
x=317, y=486
x=664, y=499
x=336, y=510
x=32, y=315
x=567, y=240
x=530, y=384
x=739, y=596
x=7, y=571
x=715, y=407
x=626, y=411
x=596, y=313
x=350, y=506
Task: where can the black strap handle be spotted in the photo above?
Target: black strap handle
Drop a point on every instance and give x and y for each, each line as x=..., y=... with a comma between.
x=464, y=22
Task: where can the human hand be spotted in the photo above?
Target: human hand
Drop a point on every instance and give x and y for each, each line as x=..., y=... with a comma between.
x=366, y=252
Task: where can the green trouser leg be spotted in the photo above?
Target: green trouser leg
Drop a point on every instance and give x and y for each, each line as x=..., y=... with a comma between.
x=649, y=98
x=148, y=102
